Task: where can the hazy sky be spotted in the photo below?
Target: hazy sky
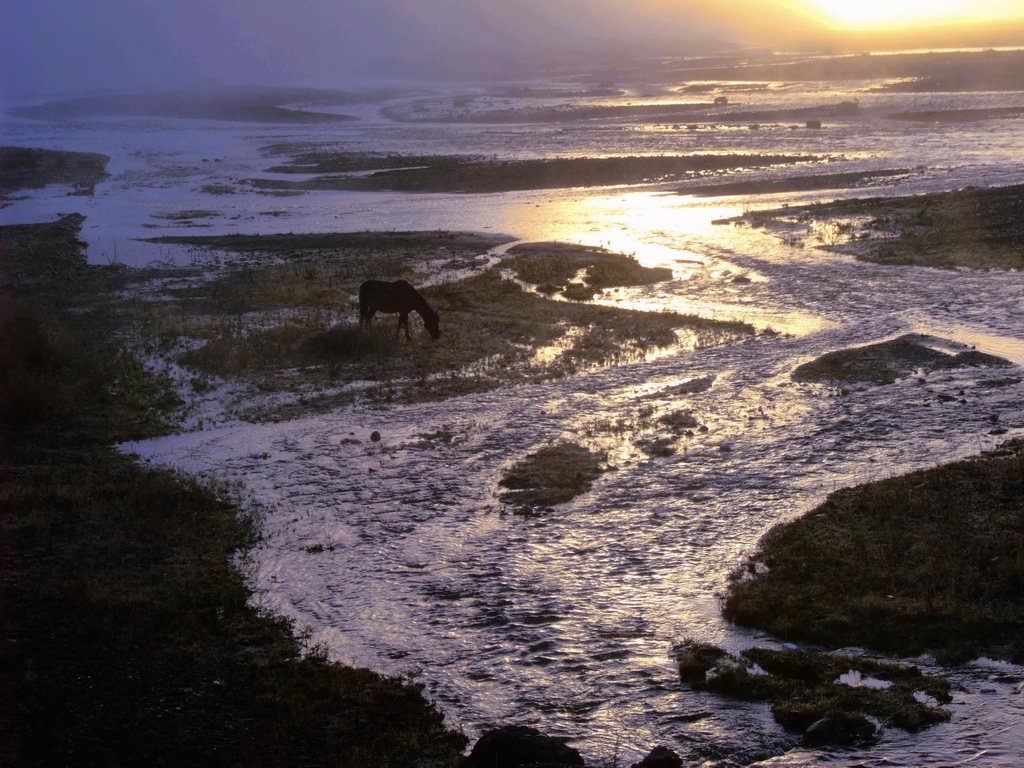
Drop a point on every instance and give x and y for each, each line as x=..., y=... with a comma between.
x=871, y=13
x=55, y=46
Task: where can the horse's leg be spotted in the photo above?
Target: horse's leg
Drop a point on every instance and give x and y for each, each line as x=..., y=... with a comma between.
x=365, y=315
x=403, y=319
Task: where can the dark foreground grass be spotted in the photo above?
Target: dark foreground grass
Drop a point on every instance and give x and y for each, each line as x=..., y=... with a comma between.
x=803, y=685
x=933, y=560
x=128, y=635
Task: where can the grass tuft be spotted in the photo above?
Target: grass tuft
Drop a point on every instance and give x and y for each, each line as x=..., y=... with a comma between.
x=552, y=475
x=804, y=686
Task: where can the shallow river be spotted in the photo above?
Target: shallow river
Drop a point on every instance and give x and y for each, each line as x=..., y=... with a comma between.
x=566, y=621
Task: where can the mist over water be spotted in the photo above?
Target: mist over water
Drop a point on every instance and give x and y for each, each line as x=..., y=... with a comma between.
x=62, y=47
x=133, y=44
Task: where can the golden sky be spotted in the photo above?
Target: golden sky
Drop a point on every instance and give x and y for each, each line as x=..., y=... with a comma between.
x=876, y=14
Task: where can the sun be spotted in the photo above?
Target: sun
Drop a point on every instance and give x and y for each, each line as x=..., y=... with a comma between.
x=895, y=13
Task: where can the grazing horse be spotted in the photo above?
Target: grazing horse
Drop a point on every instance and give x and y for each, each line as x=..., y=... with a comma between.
x=399, y=296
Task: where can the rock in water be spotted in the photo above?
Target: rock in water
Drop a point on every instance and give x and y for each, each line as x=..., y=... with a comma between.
x=839, y=729
x=660, y=757
x=516, y=745
x=375, y=436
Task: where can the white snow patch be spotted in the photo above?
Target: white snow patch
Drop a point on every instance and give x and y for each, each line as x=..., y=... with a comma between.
x=855, y=679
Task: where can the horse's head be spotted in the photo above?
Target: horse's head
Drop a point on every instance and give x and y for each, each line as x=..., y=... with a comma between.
x=432, y=322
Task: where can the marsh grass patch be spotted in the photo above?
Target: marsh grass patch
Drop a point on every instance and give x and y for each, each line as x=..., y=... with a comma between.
x=968, y=228
x=279, y=319
x=467, y=174
x=25, y=168
x=804, y=686
x=886, y=361
x=555, y=267
x=552, y=475
x=286, y=326
x=187, y=215
x=932, y=560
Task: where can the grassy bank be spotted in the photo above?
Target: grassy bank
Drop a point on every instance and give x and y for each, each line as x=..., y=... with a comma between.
x=128, y=637
x=933, y=560
x=480, y=175
x=22, y=168
x=975, y=228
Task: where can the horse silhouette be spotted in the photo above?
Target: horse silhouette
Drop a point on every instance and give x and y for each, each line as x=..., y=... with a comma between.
x=399, y=296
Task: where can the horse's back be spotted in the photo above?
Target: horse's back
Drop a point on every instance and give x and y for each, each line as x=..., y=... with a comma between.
x=385, y=296
x=370, y=287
